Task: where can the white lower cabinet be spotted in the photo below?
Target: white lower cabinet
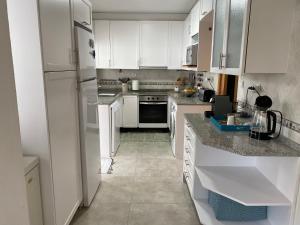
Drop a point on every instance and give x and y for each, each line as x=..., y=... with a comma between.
x=64, y=156
x=32, y=180
x=130, y=112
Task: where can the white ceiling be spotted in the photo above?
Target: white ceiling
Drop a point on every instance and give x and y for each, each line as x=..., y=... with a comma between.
x=143, y=6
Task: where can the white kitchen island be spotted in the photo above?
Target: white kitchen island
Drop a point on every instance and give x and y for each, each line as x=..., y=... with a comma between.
x=250, y=172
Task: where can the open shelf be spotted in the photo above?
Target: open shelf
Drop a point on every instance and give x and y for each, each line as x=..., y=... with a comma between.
x=207, y=216
x=245, y=185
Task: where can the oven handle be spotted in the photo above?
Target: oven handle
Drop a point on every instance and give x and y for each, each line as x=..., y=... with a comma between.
x=153, y=103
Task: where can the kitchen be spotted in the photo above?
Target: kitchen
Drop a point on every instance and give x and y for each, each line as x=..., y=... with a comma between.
x=117, y=86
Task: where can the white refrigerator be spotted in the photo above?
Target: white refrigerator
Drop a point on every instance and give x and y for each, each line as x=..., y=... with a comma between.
x=88, y=108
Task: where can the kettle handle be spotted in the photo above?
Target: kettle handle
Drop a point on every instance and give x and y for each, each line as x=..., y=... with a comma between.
x=274, y=121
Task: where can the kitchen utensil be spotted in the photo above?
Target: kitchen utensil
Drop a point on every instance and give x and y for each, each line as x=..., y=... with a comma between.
x=264, y=122
x=135, y=85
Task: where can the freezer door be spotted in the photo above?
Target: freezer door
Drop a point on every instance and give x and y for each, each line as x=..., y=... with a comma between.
x=86, y=54
x=90, y=141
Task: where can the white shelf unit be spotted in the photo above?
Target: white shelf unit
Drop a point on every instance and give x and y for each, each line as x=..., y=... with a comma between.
x=208, y=218
x=245, y=185
x=249, y=180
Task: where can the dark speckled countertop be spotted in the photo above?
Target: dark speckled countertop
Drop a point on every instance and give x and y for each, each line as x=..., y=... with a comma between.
x=179, y=98
x=239, y=142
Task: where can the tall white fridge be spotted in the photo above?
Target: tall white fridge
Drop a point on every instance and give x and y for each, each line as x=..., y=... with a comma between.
x=88, y=110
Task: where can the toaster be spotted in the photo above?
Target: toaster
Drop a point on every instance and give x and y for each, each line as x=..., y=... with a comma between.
x=206, y=94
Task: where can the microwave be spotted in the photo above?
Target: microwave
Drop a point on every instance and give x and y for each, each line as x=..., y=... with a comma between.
x=191, y=55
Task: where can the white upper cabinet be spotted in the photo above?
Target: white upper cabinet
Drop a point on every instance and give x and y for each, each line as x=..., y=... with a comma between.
x=124, y=39
x=251, y=41
x=102, y=43
x=187, y=40
x=83, y=12
x=195, y=18
x=175, y=45
x=57, y=35
x=154, y=44
x=206, y=7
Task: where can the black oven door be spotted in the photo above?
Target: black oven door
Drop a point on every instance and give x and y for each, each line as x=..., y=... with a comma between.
x=153, y=112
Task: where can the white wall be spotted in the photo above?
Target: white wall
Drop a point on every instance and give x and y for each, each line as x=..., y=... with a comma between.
x=27, y=58
x=13, y=207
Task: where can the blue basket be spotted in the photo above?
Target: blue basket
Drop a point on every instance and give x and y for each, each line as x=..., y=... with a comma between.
x=228, y=210
x=215, y=120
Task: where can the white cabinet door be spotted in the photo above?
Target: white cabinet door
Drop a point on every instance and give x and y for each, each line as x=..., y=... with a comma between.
x=62, y=107
x=130, y=111
x=124, y=38
x=32, y=180
x=206, y=7
x=195, y=18
x=187, y=40
x=102, y=44
x=154, y=44
x=175, y=45
x=83, y=12
x=57, y=35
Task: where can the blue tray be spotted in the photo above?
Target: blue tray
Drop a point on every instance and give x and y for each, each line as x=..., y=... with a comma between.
x=215, y=120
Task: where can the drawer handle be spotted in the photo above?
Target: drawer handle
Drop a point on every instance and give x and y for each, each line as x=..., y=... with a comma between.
x=187, y=150
x=188, y=125
x=186, y=175
x=187, y=138
x=187, y=163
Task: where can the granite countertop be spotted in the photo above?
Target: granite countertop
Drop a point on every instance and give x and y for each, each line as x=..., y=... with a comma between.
x=239, y=142
x=179, y=98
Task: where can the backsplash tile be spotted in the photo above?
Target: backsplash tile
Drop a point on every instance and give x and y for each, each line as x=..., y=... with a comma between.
x=294, y=126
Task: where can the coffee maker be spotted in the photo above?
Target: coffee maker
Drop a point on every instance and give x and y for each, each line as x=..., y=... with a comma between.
x=264, y=122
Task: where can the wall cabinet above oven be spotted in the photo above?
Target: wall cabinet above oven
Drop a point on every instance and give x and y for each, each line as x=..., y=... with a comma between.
x=138, y=44
x=251, y=41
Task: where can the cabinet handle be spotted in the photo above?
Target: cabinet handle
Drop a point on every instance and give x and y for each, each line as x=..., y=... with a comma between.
x=30, y=180
x=187, y=138
x=220, y=61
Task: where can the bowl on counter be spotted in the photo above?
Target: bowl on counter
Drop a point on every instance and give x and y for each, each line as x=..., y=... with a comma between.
x=189, y=92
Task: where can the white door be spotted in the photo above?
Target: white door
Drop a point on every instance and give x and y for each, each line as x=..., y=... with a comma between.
x=62, y=107
x=83, y=12
x=175, y=45
x=195, y=18
x=130, y=111
x=116, y=124
x=57, y=35
x=102, y=44
x=124, y=38
x=154, y=44
x=89, y=136
x=86, y=54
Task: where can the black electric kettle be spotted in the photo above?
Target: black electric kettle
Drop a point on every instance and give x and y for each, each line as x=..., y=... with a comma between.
x=264, y=122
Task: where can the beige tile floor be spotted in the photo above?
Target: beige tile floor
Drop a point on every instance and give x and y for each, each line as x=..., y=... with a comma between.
x=145, y=187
